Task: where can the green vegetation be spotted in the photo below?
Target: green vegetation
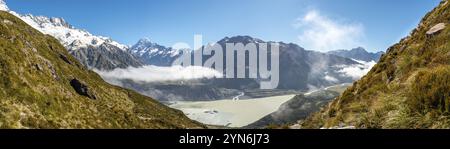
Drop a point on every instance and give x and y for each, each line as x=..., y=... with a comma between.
x=35, y=89
x=408, y=88
x=431, y=91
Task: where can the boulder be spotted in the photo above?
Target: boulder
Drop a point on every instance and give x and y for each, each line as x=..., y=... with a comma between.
x=7, y=22
x=436, y=29
x=82, y=89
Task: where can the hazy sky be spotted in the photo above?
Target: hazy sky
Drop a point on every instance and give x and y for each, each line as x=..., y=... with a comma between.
x=313, y=24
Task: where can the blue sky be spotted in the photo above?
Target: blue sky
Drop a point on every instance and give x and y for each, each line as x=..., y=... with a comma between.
x=313, y=24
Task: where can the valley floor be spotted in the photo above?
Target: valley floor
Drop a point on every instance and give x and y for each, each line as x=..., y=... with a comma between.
x=231, y=113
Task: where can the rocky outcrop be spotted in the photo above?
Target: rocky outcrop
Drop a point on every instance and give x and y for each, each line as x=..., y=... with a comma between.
x=82, y=89
x=436, y=29
x=65, y=59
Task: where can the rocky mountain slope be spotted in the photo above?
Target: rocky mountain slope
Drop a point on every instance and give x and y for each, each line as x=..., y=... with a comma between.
x=105, y=57
x=43, y=86
x=408, y=88
x=358, y=54
x=299, y=107
x=93, y=51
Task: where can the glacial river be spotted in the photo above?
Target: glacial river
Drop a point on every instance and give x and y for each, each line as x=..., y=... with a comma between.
x=229, y=112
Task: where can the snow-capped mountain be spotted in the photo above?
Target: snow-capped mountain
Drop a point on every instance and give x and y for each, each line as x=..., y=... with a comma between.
x=96, y=52
x=69, y=36
x=154, y=54
x=3, y=6
x=151, y=53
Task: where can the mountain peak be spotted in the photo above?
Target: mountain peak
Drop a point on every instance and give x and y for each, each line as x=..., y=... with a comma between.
x=3, y=6
x=144, y=40
x=241, y=39
x=359, y=49
x=59, y=22
x=144, y=43
x=154, y=54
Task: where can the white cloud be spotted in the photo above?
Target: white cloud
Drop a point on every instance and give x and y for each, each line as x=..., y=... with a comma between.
x=324, y=34
x=356, y=71
x=331, y=79
x=156, y=73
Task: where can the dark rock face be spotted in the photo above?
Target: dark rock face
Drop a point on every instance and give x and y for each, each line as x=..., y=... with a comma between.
x=358, y=54
x=105, y=57
x=65, y=59
x=82, y=89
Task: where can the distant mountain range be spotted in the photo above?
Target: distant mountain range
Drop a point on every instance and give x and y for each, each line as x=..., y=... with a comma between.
x=46, y=81
x=300, y=70
x=358, y=54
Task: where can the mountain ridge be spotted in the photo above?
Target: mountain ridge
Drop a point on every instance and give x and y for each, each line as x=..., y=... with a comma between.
x=95, y=52
x=43, y=86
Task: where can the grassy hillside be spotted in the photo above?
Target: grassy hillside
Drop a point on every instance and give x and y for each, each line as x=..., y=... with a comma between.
x=43, y=86
x=408, y=88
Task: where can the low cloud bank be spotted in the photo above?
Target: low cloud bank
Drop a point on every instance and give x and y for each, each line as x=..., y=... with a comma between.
x=156, y=74
x=331, y=79
x=356, y=71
